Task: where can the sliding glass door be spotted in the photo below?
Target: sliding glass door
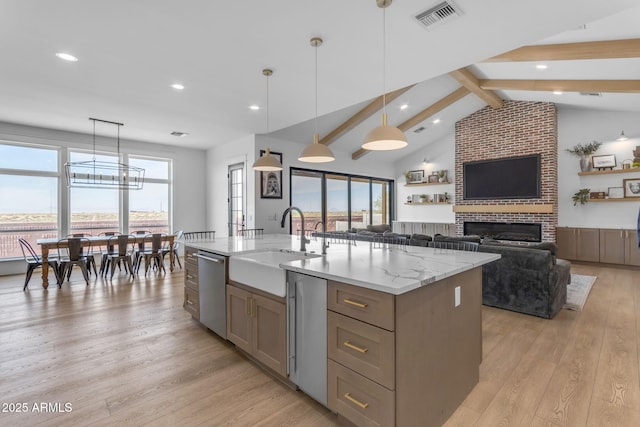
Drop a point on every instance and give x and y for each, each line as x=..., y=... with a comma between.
x=341, y=201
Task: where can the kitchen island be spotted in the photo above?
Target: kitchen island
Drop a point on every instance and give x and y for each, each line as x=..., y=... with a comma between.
x=403, y=325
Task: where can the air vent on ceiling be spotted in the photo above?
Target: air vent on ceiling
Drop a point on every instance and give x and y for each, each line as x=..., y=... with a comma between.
x=438, y=14
x=590, y=93
x=176, y=133
x=420, y=129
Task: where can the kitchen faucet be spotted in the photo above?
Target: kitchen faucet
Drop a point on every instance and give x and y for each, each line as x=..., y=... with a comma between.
x=303, y=238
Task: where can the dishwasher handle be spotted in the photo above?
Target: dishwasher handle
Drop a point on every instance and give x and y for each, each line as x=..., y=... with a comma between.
x=217, y=261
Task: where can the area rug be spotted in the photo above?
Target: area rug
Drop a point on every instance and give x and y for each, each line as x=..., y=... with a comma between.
x=578, y=291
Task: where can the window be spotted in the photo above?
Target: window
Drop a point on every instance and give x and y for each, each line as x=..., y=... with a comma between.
x=29, y=194
x=149, y=208
x=342, y=201
x=93, y=210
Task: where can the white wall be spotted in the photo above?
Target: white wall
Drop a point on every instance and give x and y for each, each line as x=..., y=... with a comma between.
x=219, y=159
x=439, y=155
x=188, y=171
x=583, y=126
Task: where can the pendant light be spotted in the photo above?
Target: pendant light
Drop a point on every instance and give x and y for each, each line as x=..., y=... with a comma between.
x=267, y=162
x=622, y=137
x=384, y=137
x=104, y=174
x=316, y=152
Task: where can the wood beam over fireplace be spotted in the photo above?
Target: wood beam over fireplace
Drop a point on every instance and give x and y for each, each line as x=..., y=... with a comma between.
x=543, y=208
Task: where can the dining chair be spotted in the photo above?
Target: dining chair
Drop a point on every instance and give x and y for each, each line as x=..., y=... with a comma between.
x=72, y=255
x=138, y=253
x=104, y=254
x=154, y=254
x=124, y=253
x=34, y=261
x=87, y=252
x=166, y=248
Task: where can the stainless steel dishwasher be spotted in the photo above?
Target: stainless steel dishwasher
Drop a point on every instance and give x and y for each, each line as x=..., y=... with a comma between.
x=212, y=289
x=307, y=334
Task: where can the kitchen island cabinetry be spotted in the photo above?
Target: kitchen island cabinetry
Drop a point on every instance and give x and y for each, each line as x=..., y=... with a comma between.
x=256, y=323
x=191, y=284
x=407, y=359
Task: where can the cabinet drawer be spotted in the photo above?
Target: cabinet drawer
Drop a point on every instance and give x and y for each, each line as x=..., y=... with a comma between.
x=189, y=254
x=191, y=276
x=359, y=399
x=192, y=302
x=370, y=306
x=366, y=349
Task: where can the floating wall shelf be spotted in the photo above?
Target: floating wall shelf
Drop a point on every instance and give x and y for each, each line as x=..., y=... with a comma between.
x=420, y=184
x=608, y=172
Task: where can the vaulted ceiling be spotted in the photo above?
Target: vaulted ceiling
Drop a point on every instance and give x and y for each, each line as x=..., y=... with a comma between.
x=130, y=52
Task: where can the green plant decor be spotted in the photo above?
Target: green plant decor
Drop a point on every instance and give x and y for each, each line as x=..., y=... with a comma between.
x=585, y=150
x=581, y=196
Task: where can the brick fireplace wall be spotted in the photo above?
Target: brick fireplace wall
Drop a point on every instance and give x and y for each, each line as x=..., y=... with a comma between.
x=518, y=129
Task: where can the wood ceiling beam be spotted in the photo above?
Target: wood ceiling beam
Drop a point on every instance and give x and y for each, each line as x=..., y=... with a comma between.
x=439, y=105
x=362, y=115
x=466, y=78
x=613, y=86
x=608, y=49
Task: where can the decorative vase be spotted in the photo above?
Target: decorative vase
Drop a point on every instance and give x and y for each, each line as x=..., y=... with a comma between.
x=585, y=163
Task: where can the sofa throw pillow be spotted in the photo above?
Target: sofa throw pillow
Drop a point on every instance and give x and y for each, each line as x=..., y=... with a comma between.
x=379, y=228
x=469, y=238
x=545, y=246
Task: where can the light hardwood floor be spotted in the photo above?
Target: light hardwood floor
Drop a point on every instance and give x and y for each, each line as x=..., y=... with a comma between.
x=126, y=353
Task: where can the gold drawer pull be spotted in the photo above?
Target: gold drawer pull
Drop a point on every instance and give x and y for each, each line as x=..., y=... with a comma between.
x=357, y=304
x=355, y=347
x=356, y=401
x=247, y=306
x=189, y=302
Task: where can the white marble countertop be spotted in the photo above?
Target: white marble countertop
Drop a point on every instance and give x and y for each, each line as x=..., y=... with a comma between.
x=391, y=269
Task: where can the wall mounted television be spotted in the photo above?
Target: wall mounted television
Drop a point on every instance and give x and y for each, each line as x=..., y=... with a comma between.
x=506, y=178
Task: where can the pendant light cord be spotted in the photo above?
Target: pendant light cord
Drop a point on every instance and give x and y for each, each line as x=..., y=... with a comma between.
x=94, y=141
x=316, y=117
x=384, y=62
x=267, y=104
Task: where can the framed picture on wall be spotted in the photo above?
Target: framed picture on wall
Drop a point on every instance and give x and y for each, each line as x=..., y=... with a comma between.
x=271, y=182
x=631, y=187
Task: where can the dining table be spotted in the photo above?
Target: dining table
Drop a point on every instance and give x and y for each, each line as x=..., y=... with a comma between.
x=54, y=243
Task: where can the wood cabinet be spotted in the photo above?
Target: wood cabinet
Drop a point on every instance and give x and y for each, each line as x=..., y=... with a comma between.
x=578, y=244
x=256, y=323
x=191, y=285
x=605, y=245
x=428, y=228
x=403, y=360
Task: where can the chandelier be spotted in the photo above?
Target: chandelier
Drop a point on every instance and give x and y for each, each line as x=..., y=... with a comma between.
x=102, y=174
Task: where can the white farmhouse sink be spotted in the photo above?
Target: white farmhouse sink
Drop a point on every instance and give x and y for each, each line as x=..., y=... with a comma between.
x=261, y=270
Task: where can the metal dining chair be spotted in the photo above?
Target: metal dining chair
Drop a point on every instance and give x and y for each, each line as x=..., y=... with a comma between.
x=124, y=253
x=34, y=261
x=166, y=248
x=154, y=254
x=86, y=252
x=104, y=254
x=72, y=255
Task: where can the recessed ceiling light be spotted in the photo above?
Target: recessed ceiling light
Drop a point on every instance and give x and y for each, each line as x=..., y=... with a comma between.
x=436, y=121
x=404, y=106
x=177, y=86
x=541, y=67
x=557, y=92
x=66, y=57
x=254, y=107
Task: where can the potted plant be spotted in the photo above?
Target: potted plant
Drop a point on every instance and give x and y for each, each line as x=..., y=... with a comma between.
x=442, y=175
x=584, y=151
x=407, y=177
x=581, y=196
x=424, y=198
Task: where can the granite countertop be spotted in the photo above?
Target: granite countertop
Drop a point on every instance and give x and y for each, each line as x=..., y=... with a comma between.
x=387, y=268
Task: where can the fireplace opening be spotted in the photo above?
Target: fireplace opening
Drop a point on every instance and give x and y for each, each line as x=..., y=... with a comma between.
x=521, y=232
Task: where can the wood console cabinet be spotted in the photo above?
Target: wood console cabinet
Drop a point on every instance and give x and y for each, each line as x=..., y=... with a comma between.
x=191, y=285
x=578, y=244
x=403, y=360
x=256, y=323
x=606, y=245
